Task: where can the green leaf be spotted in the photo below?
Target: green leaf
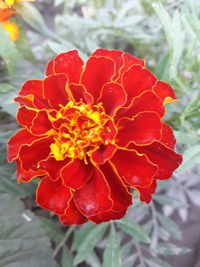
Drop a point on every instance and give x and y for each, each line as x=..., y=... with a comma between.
x=24, y=47
x=8, y=104
x=34, y=19
x=191, y=157
x=134, y=229
x=67, y=258
x=8, y=51
x=23, y=241
x=152, y=262
x=6, y=87
x=89, y=242
x=172, y=249
x=52, y=228
x=81, y=233
x=111, y=256
x=170, y=226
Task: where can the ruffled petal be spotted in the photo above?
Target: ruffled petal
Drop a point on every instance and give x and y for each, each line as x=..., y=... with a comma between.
x=6, y=14
x=31, y=94
x=165, y=158
x=103, y=153
x=123, y=61
x=69, y=63
x=55, y=90
x=94, y=197
x=16, y=141
x=134, y=168
x=137, y=80
x=80, y=93
x=53, y=167
x=30, y=155
x=76, y=174
x=108, y=216
x=27, y=176
x=72, y=215
x=97, y=72
x=165, y=92
x=53, y=196
x=142, y=129
x=146, y=101
x=41, y=123
x=113, y=96
x=119, y=193
x=50, y=68
x=146, y=193
x=168, y=137
x=25, y=116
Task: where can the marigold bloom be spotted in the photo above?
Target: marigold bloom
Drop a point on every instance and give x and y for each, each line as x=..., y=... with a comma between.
x=92, y=132
x=12, y=28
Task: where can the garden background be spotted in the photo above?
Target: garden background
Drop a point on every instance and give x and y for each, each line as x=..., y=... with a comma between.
x=166, y=34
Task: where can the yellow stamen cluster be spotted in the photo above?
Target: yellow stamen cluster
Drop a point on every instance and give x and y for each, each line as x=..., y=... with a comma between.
x=80, y=134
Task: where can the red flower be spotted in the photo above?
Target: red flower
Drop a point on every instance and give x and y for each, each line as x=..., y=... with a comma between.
x=92, y=132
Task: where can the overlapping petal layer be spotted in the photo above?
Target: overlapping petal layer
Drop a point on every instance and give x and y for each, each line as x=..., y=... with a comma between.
x=91, y=133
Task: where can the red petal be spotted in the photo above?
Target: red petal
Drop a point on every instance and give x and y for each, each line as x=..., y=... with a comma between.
x=41, y=123
x=98, y=71
x=53, y=196
x=165, y=92
x=112, y=96
x=16, y=141
x=25, y=116
x=134, y=168
x=26, y=176
x=166, y=158
x=76, y=174
x=53, y=167
x=94, y=197
x=55, y=90
x=34, y=88
x=110, y=131
x=69, y=63
x=167, y=136
x=80, y=94
x=108, y=216
x=72, y=215
x=146, y=193
x=50, y=68
x=103, y=153
x=123, y=61
x=142, y=129
x=119, y=193
x=137, y=80
x=147, y=101
x=30, y=155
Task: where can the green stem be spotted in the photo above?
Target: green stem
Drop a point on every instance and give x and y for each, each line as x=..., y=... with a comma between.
x=63, y=240
x=140, y=254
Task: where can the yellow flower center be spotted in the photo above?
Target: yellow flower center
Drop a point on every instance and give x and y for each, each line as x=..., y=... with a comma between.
x=80, y=130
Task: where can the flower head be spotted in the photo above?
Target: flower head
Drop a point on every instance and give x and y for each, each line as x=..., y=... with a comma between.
x=92, y=132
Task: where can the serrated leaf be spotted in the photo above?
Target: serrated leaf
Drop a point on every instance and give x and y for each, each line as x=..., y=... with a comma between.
x=89, y=242
x=111, y=256
x=34, y=19
x=22, y=239
x=81, y=233
x=51, y=228
x=169, y=225
x=172, y=249
x=8, y=51
x=152, y=262
x=6, y=87
x=67, y=258
x=134, y=229
x=7, y=103
x=191, y=157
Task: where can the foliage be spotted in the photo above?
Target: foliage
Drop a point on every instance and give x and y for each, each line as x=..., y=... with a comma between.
x=167, y=35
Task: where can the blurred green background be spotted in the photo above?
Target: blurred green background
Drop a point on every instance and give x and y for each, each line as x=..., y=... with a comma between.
x=166, y=34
